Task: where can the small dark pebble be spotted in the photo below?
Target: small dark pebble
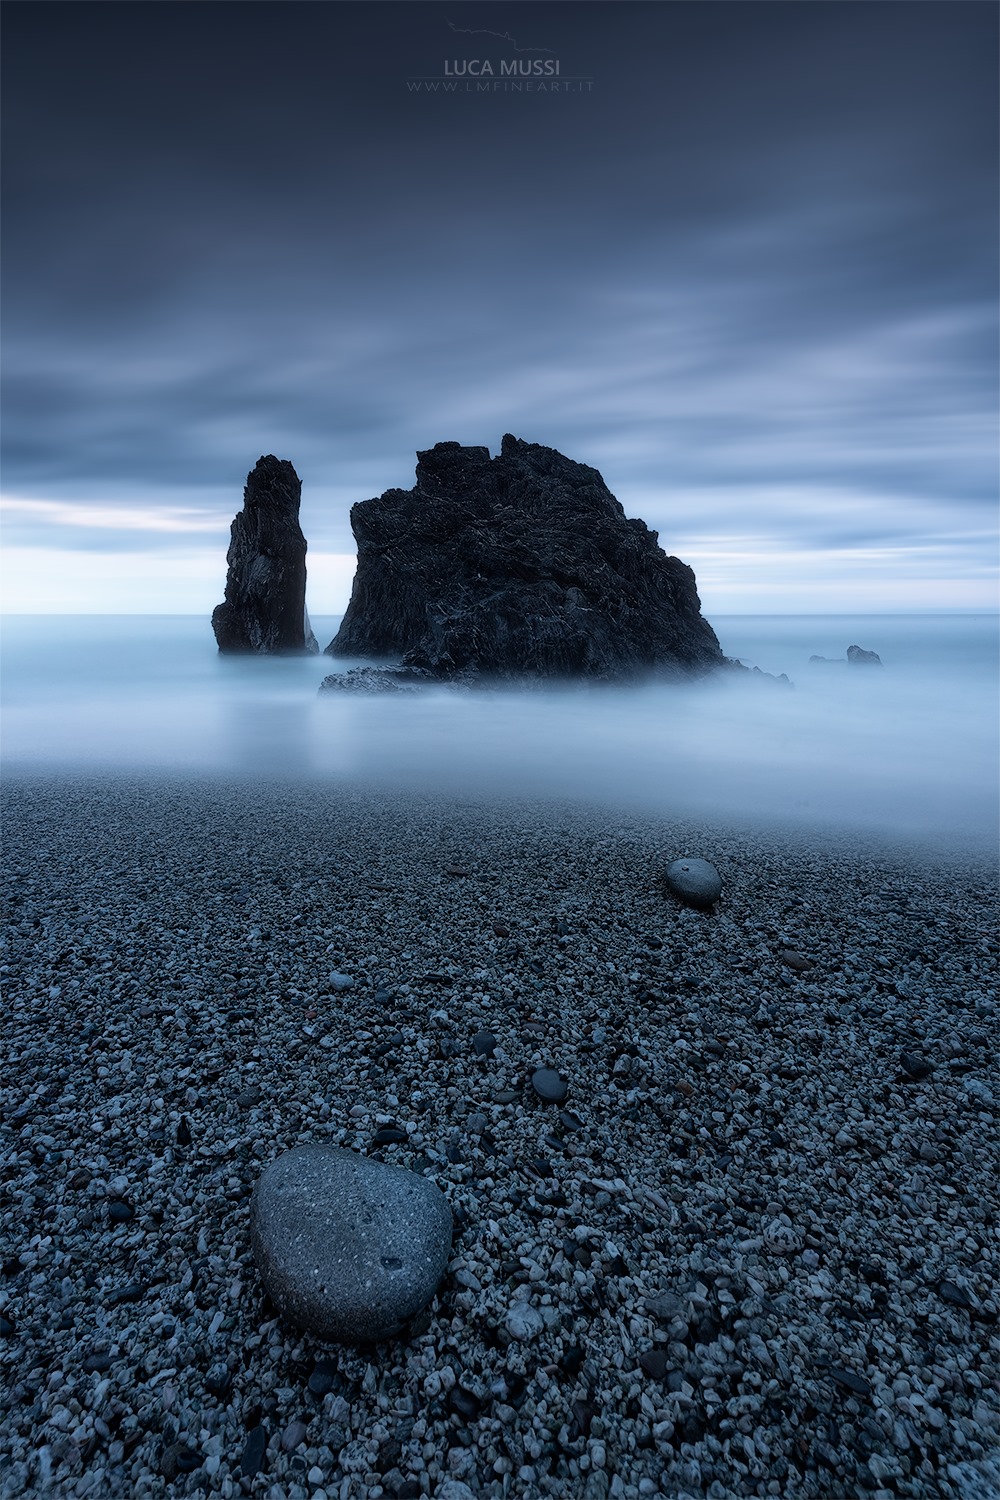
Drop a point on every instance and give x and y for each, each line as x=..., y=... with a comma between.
x=484, y=1043
x=666, y=1305
x=548, y=1085
x=796, y=961
x=248, y=1097
x=501, y=930
x=218, y=1380
x=507, y=1096
x=178, y=1458
x=253, y=1452
x=384, y=997
x=654, y=1362
x=915, y=1067
x=389, y=1135
x=569, y=1121
x=322, y=1378
x=850, y=1381
x=97, y=1363
x=949, y=1292
x=119, y=1212
x=7, y=1326
x=184, y=1132
x=571, y=1361
x=464, y=1403
x=134, y=1291
x=389, y=1455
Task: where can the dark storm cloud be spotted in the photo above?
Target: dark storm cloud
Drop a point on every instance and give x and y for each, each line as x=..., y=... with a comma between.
x=751, y=275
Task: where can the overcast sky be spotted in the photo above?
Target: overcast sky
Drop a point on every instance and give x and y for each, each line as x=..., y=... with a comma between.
x=744, y=262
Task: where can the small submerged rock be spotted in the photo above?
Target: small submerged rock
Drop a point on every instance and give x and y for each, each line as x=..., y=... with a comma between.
x=694, y=881
x=377, y=680
x=347, y=1247
x=859, y=657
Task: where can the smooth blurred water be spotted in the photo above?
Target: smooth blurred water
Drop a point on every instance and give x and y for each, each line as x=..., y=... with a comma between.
x=911, y=749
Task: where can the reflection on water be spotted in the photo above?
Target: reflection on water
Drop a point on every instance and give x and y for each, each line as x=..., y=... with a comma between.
x=910, y=748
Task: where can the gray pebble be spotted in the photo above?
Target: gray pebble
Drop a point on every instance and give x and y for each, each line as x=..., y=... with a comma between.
x=523, y=1321
x=694, y=881
x=348, y=1248
x=549, y=1085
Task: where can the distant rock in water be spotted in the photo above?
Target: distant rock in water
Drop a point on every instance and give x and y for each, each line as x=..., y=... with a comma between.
x=855, y=657
x=265, y=604
x=524, y=565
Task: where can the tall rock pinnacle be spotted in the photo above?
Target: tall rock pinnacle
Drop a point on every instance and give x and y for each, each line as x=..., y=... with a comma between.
x=265, y=603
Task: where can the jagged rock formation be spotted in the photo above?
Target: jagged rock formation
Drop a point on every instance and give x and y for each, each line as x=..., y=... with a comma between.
x=265, y=604
x=856, y=656
x=518, y=566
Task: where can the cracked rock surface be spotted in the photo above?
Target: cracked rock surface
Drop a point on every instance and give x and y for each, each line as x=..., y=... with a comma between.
x=522, y=565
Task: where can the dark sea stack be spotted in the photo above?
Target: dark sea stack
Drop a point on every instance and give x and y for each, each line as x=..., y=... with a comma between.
x=265, y=605
x=519, y=566
x=858, y=657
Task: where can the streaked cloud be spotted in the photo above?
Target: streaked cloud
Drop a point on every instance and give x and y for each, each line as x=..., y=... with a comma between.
x=752, y=280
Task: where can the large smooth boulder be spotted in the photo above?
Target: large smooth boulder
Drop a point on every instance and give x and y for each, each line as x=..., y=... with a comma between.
x=348, y=1248
x=265, y=605
x=694, y=881
x=519, y=566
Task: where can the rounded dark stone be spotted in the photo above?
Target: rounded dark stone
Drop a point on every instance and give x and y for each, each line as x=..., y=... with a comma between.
x=218, y=1380
x=694, y=881
x=252, y=1458
x=322, y=1379
x=654, y=1362
x=119, y=1212
x=549, y=1085
x=484, y=1043
x=464, y=1403
x=97, y=1363
x=348, y=1247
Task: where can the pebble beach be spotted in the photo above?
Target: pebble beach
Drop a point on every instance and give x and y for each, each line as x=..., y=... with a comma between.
x=751, y=1252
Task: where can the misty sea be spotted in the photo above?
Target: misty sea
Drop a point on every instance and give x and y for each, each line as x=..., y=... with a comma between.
x=908, y=750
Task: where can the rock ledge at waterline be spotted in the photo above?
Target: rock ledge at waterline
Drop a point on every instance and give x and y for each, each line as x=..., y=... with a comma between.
x=264, y=610
x=524, y=565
